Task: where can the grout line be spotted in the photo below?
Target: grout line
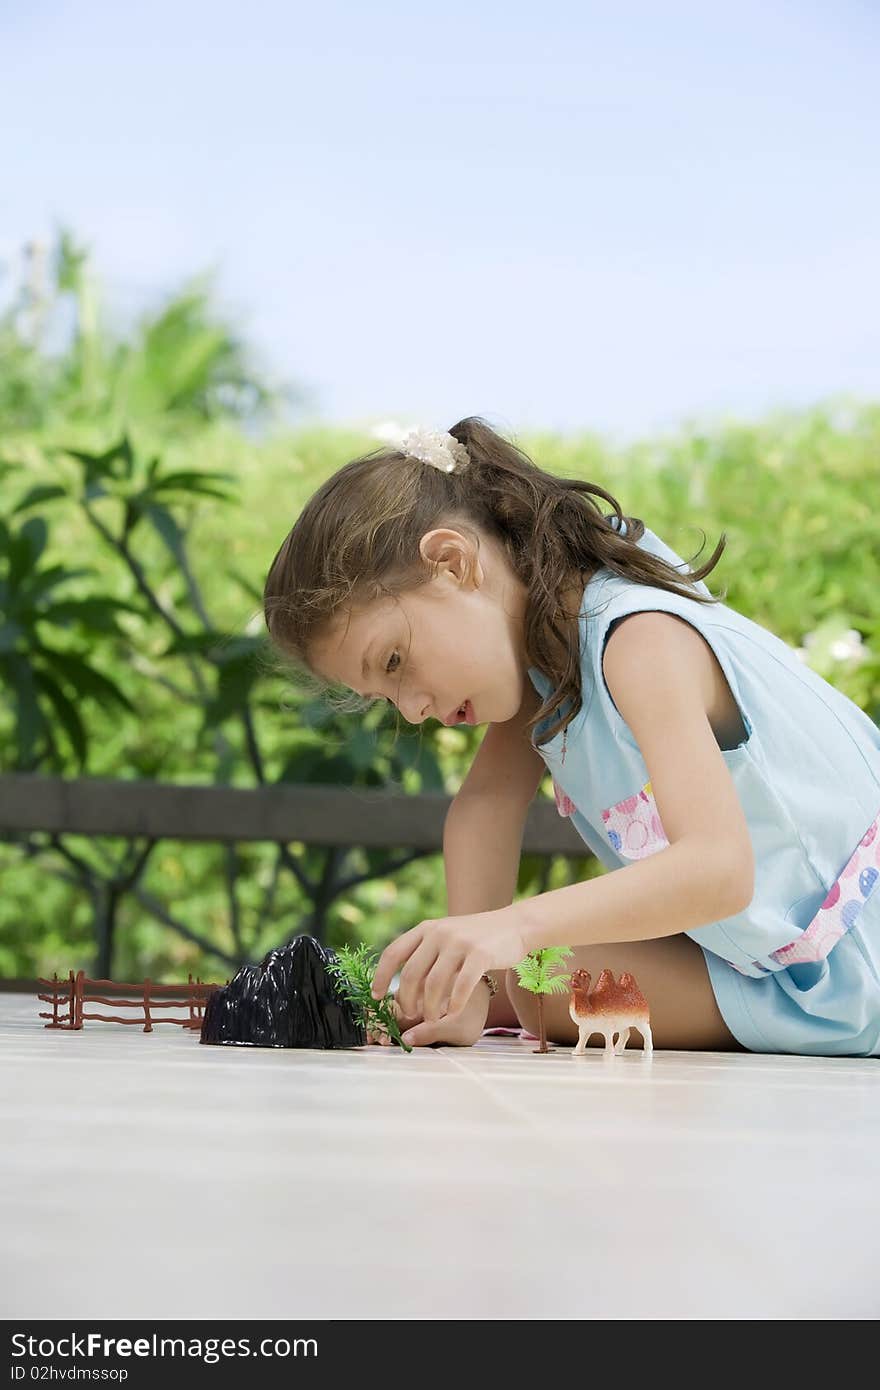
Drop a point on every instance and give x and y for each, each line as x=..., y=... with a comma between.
x=540, y=1130
x=500, y=1100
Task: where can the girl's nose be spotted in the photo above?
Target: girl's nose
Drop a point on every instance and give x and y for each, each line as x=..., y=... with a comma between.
x=416, y=711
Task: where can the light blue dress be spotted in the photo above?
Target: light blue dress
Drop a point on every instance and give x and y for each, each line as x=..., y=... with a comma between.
x=798, y=970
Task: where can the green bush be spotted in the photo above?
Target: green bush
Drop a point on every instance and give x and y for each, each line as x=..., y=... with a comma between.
x=140, y=513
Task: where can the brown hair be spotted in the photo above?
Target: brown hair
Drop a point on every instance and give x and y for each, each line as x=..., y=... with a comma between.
x=357, y=538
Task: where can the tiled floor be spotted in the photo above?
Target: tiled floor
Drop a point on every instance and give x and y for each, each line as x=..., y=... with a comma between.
x=149, y=1176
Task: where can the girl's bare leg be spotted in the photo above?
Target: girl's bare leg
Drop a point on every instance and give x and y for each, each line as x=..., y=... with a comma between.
x=501, y=1011
x=672, y=975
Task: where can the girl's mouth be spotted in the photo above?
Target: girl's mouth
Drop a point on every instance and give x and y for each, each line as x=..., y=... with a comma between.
x=463, y=715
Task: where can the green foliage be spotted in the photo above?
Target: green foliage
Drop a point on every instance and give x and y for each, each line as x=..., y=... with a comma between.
x=140, y=511
x=534, y=972
x=181, y=365
x=354, y=969
x=46, y=682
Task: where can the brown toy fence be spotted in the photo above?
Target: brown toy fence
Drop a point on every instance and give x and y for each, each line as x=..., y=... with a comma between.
x=68, y=996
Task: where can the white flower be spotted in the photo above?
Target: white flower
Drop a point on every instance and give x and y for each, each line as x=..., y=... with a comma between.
x=848, y=647
x=435, y=447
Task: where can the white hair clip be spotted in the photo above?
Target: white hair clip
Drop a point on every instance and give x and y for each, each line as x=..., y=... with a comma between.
x=438, y=448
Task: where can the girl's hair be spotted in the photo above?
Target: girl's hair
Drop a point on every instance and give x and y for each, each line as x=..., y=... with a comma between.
x=357, y=538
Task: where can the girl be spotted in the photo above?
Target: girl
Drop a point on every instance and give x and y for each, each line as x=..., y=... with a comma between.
x=734, y=794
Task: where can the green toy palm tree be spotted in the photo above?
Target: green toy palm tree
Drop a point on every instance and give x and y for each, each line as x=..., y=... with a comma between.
x=534, y=975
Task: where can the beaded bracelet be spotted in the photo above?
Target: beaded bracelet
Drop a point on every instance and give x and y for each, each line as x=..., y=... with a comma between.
x=492, y=983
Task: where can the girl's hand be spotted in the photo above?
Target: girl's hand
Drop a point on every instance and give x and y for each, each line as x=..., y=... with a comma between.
x=379, y=1035
x=461, y=1029
x=441, y=960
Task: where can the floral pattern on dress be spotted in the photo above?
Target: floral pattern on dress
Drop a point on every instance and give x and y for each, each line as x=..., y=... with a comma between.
x=564, y=803
x=633, y=825
x=845, y=899
x=840, y=911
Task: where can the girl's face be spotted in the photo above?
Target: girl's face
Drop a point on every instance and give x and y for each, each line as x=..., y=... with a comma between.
x=457, y=638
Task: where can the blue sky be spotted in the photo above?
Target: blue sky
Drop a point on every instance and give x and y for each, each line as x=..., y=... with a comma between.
x=622, y=217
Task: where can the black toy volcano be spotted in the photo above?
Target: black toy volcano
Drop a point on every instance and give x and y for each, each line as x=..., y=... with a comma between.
x=289, y=1000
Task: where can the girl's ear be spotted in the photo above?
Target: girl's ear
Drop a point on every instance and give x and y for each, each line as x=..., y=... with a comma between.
x=459, y=553
x=439, y=543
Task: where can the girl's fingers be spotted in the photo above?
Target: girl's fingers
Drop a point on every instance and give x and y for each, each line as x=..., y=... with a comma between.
x=468, y=978
x=392, y=958
x=424, y=1033
x=439, y=985
x=412, y=977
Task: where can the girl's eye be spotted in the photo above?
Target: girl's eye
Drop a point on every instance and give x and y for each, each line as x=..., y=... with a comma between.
x=388, y=672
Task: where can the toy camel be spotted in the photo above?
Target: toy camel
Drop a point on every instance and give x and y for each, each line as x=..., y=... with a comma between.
x=610, y=1008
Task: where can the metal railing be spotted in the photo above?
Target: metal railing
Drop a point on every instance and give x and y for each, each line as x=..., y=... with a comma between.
x=334, y=819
